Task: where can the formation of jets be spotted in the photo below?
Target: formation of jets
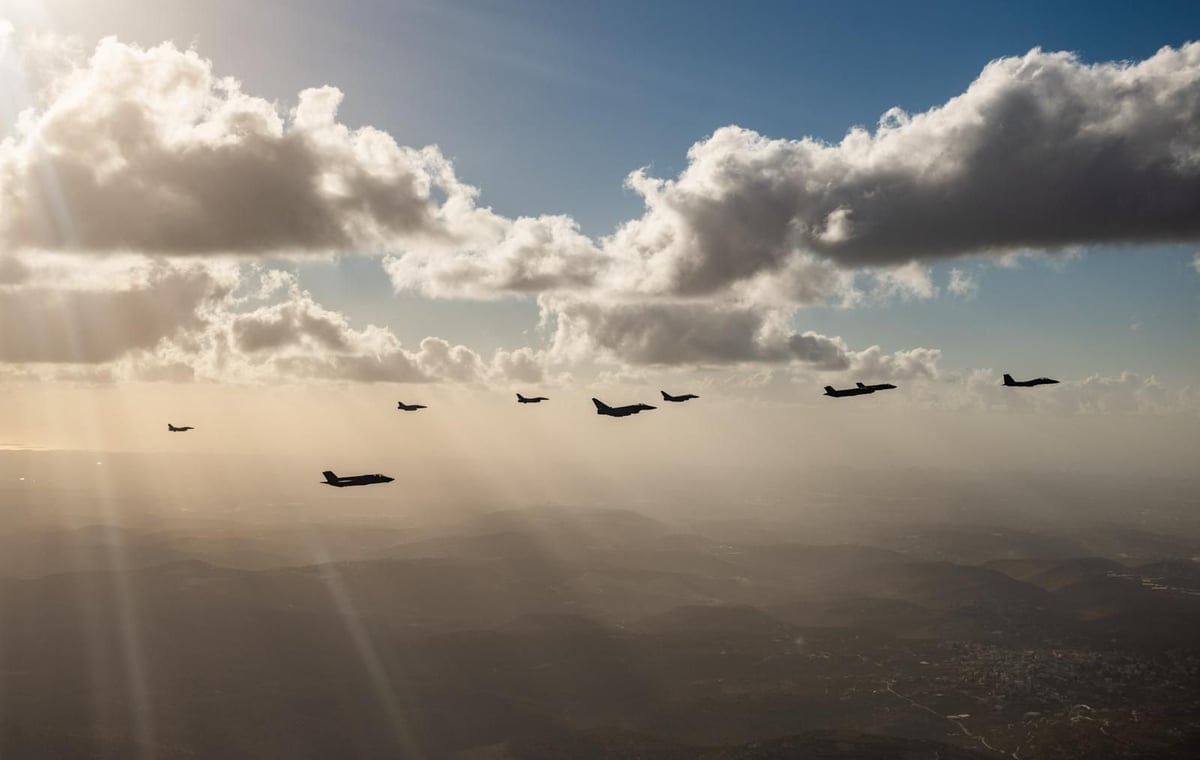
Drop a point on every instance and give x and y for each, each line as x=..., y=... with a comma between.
x=859, y=389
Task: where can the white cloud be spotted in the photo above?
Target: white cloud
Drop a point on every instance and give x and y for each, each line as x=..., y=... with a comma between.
x=674, y=332
x=299, y=339
x=963, y=284
x=913, y=364
x=663, y=333
x=525, y=365
x=499, y=256
x=804, y=280
x=1009, y=164
x=906, y=282
x=1196, y=262
x=753, y=225
x=146, y=149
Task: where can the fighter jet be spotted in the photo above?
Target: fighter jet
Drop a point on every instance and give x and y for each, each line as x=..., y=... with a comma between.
x=858, y=390
x=530, y=400
x=880, y=387
x=181, y=429
x=668, y=397
x=833, y=392
x=619, y=411
x=1009, y=382
x=409, y=407
x=354, y=480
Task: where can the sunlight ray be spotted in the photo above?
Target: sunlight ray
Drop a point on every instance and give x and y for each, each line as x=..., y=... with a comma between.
x=372, y=662
x=128, y=617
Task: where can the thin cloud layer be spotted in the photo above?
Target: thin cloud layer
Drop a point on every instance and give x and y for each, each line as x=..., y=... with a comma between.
x=1128, y=392
x=962, y=284
x=182, y=320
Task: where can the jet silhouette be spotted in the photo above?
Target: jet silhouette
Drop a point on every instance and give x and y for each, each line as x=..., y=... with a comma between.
x=532, y=400
x=354, y=480
x=880, y=387
x=859, y=390
x=1009, y=382
x=409, y=407
x=831, y=391
x=668, y=397
x=181, y=429
x=619, y=411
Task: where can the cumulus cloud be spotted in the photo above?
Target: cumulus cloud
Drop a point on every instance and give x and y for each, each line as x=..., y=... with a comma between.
x=180, y=320
x=132, y=149
x=802, y=281
x=674, y=332
x=697, y=332
x=296, y=322
x=525, y=365
x=52, y=324
x=1041, y=151
x=495, y=256
x=296, y=338
x=913, y=364
x=146, y=149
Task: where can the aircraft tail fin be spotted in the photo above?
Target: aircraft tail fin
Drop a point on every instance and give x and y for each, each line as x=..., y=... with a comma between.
x=329, y=476
x=666, y=396
x=600, y=405
x=1008, y=379
x=520, y=397
x=860, y=385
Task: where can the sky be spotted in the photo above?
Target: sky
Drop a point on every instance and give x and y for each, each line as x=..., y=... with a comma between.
x=276, y=218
